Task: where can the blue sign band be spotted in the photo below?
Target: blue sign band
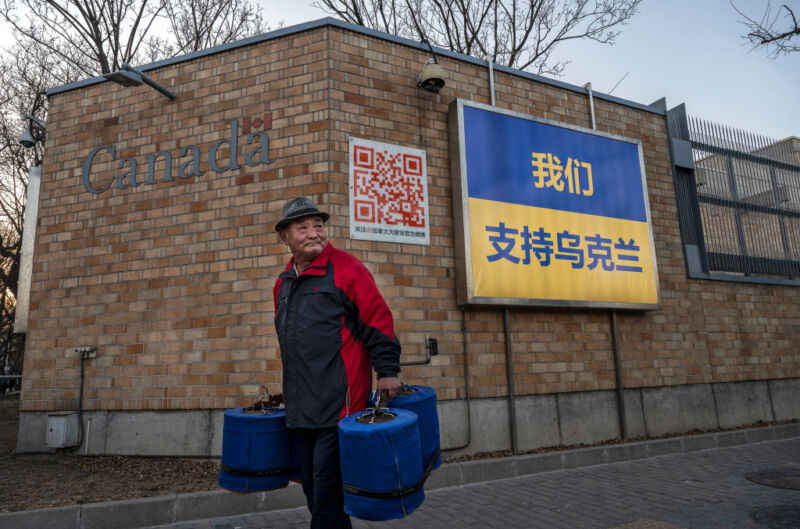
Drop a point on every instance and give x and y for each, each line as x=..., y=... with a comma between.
x=519, y=161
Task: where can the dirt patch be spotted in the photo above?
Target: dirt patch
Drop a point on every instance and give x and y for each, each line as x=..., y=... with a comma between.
x=63, y=479
x=9, y=420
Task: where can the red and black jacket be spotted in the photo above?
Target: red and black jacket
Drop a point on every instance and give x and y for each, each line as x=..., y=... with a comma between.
x=332, y=322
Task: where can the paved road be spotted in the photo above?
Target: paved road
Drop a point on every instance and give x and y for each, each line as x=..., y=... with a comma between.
x=696, y=490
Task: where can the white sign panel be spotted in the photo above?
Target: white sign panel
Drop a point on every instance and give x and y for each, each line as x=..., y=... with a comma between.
x=388, y=193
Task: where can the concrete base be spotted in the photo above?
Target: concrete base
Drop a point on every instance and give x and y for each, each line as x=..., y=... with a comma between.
x=185, y=433
x=487, y=422
x=742, y=403
x=634, y=413
x=563, y=419
x=588, y=417
x=785, y=398
x=537, y=422
x=679, y=409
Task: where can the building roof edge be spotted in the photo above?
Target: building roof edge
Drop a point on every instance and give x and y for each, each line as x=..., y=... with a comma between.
x=329, y=21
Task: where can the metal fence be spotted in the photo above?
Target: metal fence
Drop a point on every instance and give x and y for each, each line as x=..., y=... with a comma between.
x=740, y=203
x=12, y=352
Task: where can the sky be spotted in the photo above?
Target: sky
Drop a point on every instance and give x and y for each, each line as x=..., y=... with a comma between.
x=689, y=51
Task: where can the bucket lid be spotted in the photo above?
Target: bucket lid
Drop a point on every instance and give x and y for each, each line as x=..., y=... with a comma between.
x=376, y=416
x=259, y=408
x=406, y=391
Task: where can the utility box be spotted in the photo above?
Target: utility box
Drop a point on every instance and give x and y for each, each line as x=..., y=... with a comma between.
x=62, y=429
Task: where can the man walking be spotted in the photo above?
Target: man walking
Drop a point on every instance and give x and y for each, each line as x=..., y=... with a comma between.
x=332, y=324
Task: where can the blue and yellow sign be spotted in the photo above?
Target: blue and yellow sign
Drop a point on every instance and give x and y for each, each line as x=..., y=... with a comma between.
x=552, y=214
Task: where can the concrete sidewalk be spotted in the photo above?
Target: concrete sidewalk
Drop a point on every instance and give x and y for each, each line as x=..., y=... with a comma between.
x=684, y=482
x=697, y=490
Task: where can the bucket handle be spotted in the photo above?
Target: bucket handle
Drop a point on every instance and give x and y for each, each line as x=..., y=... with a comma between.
x=265, y=403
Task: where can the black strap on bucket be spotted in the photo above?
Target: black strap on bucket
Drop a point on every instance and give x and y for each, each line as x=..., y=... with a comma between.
x=393, y=494
x=242, y=473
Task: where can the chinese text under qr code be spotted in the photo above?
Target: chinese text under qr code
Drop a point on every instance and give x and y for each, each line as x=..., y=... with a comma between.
x=388, y=188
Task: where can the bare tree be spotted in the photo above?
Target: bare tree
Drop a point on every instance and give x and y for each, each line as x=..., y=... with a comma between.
x=25, y=72
x=97, y=36
x=519, y=34
x=200, y=24
x=777, y=30
x=62, y=41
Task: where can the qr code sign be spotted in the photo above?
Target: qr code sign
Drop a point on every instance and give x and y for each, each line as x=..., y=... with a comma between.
x=388, y=192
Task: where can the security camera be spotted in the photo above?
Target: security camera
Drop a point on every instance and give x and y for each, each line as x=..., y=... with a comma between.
x=35, y=133
x=27, y=140
x=431, y=78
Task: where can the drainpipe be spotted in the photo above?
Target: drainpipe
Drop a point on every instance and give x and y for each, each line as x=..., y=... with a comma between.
x=512, y=398
x=623, y=426
x=491, y=80
x=85, y=354
x=588, y=87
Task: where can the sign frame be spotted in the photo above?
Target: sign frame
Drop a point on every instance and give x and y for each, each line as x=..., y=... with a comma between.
x=461, y=213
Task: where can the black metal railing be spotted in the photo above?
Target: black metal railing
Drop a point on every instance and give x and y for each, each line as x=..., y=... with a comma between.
x=740, y=202
x=12, y=352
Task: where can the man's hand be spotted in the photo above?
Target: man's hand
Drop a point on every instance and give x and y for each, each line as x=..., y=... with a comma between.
x=389, y=384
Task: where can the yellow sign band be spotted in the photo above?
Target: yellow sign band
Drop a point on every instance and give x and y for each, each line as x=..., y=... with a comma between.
x=515, y=253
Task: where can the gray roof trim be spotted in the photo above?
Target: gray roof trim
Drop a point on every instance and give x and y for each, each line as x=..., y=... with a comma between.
x=329, y=21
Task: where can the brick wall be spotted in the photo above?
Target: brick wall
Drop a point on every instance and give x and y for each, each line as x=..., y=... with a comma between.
x=172, y=281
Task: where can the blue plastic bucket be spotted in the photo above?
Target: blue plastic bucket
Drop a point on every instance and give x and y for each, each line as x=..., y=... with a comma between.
x=381, y=465
x=422, y=401
x=255, y=450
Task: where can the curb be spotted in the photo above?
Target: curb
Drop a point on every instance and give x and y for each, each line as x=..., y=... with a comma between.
x=162, y=510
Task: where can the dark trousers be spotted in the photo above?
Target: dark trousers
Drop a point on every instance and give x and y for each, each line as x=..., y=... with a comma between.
x=322, y=477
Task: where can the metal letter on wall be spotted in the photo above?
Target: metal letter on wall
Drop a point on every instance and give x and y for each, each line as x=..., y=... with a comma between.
x=549, y=214
x=388, y=193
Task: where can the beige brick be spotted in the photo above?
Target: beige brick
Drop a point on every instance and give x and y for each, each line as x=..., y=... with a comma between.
x=173, y=281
